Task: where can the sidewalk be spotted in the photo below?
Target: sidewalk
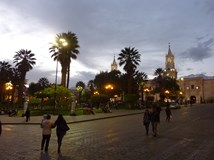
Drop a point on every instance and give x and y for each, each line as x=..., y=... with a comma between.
x=35, y=120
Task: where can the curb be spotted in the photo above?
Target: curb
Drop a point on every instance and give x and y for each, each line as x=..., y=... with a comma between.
x=78, y=121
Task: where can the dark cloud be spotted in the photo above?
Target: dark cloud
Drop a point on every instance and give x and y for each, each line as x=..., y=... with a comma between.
x=82, y=76
x=200, y=52
x=209, y=6
x=105, y=27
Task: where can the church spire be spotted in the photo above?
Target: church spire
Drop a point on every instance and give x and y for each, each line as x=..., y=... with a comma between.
x=169, y=51
x=114, y=65
x=170, y=70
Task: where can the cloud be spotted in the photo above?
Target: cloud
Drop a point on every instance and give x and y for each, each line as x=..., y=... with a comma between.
x=209, y=6
x=202, y=51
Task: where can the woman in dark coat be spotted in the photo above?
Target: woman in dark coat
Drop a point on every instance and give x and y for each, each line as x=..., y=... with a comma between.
x=61, y=129
x=146, y=120
x=154, y=120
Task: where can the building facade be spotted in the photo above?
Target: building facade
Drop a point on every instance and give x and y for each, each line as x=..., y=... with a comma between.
x=197, y=89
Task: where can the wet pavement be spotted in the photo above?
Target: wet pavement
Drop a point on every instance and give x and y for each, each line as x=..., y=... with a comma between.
x=190, y=136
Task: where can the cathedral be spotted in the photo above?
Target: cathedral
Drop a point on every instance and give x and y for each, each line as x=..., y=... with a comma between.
x=192, y=89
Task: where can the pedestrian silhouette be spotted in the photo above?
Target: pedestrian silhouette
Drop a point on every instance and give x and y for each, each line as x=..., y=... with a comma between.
x=27, y=115
x=146, y=120
x=154, y=120
x=61, y=130
x=168, y=114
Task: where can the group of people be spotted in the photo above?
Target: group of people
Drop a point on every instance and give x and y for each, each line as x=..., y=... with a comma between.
x=153, y=117
x=47, y=124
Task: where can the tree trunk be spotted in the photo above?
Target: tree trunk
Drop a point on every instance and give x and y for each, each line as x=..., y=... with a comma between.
x=63, y=72
x=68, y=77
x=21, y=89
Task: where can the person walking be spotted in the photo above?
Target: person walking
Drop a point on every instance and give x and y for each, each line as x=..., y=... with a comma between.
x=61, y=130
x=146, y=120
x=158, y=108
x=168, y=114
x=27, y=115
x=46, y=125
x=154, y=120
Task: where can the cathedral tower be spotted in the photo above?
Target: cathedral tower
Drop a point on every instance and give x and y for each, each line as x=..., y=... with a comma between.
x=170, y=70
x=114, y=65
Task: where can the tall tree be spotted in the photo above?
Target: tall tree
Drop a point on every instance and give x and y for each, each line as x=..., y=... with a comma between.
x=159, y=72
x=44, y=82
x=91, y=86
x=15, y=80
x=129, y=58
x=64, y=49
x=159, y=79
x=80, y=86
x=24, y=61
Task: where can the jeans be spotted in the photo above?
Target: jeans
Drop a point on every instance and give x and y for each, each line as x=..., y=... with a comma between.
x=45, y=141
x=60, y=136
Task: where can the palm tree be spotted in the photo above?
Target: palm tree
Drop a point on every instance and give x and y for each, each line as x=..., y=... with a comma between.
x=159, y=72
x=91, y=86
x=80, y=86
x=158, y=79
x=24, y=61
x=130, y=58
x=65, y=49
x=44, y=83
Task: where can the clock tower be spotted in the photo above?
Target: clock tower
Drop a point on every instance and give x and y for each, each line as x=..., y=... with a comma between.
x=170, y=70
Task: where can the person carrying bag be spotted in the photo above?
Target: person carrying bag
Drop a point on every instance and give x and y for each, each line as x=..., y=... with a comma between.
x=61, y=130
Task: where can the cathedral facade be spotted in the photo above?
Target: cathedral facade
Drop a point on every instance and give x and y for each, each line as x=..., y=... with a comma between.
x=192, y=89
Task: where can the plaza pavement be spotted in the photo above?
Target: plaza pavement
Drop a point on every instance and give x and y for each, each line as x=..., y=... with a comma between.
x=35, y=120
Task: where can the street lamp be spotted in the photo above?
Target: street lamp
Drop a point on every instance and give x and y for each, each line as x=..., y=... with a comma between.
x=167, y=94
x=109, y=87
x=8, y=87
x=146, y=90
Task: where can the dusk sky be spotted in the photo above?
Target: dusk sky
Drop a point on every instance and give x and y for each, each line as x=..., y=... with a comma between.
x=104, y=28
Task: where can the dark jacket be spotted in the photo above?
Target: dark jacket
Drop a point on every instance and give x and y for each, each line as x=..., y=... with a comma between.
x=61, y=125
x=146, y=118
x=155, y=116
